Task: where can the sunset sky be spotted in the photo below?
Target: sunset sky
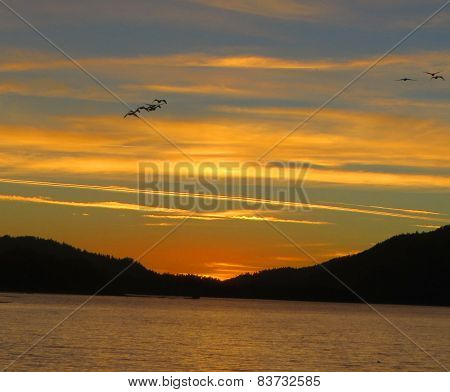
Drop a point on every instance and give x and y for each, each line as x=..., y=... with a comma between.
x=238, y=76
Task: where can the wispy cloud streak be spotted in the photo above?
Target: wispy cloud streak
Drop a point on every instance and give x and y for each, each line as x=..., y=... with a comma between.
x=113, y=205
x=249, y=218
x=299, y=205
x=44, y=61
x=178, y=213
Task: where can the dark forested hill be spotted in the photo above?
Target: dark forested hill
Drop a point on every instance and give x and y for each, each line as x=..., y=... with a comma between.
x=408, y=268
x=37, y=265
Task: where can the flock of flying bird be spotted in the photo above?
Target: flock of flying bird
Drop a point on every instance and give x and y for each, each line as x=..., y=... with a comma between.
x=434, y=75
x=148, y=107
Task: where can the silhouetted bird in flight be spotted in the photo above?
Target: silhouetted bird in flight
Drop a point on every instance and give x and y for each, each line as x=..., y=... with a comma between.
x=132, y=113
x=405, y=80
x=433, y=74
x=438, y=77
x=149, y=107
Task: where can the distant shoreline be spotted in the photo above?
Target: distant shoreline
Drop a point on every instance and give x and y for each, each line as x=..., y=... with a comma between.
x=160, y=296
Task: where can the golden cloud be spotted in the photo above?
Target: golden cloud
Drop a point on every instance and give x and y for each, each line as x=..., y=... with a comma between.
x=338, y=137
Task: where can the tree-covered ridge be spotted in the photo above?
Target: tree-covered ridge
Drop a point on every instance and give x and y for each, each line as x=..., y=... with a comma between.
x=408, y=268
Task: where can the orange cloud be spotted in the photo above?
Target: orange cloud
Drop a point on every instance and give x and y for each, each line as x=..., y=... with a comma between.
x=33, y=60
x=99, y=144
x=193, y=89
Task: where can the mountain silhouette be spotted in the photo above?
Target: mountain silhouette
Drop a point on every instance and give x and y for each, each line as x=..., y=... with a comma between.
x=405, y=269
x=31, y=264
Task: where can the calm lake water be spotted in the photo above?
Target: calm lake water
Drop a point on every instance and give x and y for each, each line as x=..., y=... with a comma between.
x=177, y=334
